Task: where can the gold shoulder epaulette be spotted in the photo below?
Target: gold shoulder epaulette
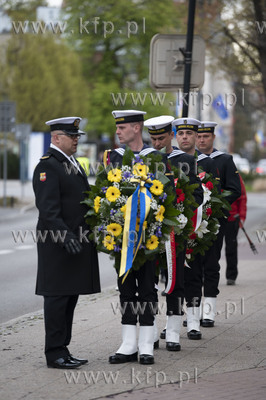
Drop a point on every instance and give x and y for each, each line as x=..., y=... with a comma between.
x=45, y=157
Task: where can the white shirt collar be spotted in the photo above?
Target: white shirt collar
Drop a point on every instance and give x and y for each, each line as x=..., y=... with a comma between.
x=70, y=158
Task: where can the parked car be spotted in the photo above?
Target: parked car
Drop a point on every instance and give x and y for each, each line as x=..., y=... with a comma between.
x=261, y=167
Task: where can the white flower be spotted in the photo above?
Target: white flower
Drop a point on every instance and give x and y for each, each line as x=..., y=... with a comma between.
x=122, y=200
x=182, y=219
x=126, y=168
x=202, y=229
x=153, y=227
x=154, y=204
x=206, y=194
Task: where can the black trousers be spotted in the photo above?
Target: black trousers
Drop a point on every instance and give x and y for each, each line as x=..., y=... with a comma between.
x=175, y=300
x=231, y=232
x=58, y=319
x=204, y=272
x=138, y=296
x=193, y=278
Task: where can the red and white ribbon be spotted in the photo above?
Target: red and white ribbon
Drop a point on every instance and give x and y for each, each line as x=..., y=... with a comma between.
x=171, y=263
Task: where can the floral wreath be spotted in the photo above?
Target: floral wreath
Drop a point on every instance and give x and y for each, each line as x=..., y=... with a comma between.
x=213, y=207
x=118, y=194
x=185, y=203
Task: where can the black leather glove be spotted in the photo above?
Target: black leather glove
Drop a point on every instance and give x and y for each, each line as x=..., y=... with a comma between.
x=73, y=246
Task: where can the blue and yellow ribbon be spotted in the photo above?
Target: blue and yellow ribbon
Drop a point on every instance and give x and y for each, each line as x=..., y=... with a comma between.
x=130, y=246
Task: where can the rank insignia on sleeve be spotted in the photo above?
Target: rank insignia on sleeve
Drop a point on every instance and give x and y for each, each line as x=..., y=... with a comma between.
x=43, y=176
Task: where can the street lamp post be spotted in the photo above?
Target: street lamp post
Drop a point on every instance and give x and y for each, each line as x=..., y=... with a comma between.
x=188, y=56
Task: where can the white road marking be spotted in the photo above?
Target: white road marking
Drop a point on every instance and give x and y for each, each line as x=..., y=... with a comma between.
x=25, y=247
x=3, y=252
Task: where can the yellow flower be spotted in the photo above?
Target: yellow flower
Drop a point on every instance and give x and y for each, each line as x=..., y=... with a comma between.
x=109, y=242
x=112, y=193
x=123, y=210
x=152, y=243
x=97, y=203
x=159, y=216
x=157, y=187
x=144, y=226
x=114, y=229
x=114, y=175
x=140, y=169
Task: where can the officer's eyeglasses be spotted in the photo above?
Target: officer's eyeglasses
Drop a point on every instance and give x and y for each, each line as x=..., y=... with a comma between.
x=76, y=136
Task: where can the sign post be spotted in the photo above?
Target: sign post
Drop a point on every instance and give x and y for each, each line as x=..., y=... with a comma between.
x=167, y=65
x=173, y=64
x=7, y=124
x=22, y=134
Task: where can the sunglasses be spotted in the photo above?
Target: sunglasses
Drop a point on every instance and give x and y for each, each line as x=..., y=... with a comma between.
x=76, y=136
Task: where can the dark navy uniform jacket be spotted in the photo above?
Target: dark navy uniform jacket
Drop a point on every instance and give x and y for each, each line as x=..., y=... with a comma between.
x=59, y=189
x=229, y=177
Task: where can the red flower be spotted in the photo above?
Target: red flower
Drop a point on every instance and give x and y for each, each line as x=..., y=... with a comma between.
x=180, y=195
x=209, y=185
x=209, y=212
x=193, y=236
x=189, y=251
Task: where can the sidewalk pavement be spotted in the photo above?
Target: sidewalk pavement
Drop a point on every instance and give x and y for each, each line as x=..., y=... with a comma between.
x=228, y=363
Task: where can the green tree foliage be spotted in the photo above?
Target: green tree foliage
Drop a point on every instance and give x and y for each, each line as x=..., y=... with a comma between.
x=113, y=41
x=237, y=39
x=108, y=96
x=12, y=165
x=44, y=78
x=19, y=10
x=113, y=37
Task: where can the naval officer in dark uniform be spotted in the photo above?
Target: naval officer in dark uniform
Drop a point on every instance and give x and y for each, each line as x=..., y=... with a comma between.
x=230, y=181
x=139, y=286
x=196, y=274
x=161, y=134
x=67, y=261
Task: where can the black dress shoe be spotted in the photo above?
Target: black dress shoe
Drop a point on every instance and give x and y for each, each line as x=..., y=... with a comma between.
x=194, y=335
x=156, y=344
x=64, y=363
x=80, y=360
x=172, y=346
x=163, y=333
x=146, y=359
x=207, y=323
x=119, y=358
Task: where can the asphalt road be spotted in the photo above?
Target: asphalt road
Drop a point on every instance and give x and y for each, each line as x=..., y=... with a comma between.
x=18, y=265
x=18, y=258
